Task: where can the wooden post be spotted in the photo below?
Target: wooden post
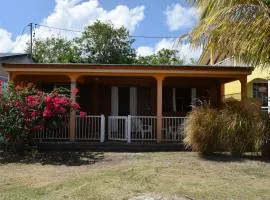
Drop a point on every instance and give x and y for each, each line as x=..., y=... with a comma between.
x=73, y=85
x=243, y=81
x=159, y=107
x=222, y=92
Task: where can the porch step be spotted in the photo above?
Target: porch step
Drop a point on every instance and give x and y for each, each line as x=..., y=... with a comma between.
x=109, y=147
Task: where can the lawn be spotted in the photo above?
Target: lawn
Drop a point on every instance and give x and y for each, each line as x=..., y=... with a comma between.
x=171, y=175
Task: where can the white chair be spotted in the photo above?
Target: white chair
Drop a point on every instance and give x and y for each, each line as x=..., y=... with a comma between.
x=175, y=132
x=139, y=127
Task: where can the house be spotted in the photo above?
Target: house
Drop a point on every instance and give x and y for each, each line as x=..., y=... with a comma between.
x=258, y=84
x=131, y=103
x=12, y=58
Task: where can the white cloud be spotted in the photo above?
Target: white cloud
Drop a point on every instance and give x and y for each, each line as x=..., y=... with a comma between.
x=189, y=52
x=165, y=44
x=75, y=14
x=178, y=17
x=145, y=51
x=6, y=41
x=186, y=52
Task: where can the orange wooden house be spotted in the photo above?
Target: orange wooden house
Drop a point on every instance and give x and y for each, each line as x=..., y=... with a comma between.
x=130, y=103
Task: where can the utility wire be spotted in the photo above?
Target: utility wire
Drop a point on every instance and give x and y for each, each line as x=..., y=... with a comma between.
x=78, y=31
x=19, y=40
x=132, y=36
x=61, y=29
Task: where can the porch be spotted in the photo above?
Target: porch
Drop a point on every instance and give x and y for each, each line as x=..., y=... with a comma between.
x=129, y=104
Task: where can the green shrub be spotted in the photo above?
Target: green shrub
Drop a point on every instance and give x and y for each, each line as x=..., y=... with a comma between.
x=202, y=130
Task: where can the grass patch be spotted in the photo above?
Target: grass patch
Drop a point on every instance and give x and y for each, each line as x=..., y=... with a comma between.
x=127, y=175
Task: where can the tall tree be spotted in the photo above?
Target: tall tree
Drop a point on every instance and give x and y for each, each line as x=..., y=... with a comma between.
x=99, y=43
x=237, y=27
x=55, y=50
x=164, y=56
x=103, y=43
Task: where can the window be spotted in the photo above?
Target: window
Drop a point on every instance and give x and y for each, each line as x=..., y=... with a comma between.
x=176, y=100
x=260, y=91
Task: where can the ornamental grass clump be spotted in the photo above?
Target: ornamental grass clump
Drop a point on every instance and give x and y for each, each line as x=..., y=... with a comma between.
x=202, y=128
x=23, y=110
x=237, y=127
x=243, y=126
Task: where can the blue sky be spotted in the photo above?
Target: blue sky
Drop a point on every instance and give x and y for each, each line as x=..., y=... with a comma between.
x=141, y=17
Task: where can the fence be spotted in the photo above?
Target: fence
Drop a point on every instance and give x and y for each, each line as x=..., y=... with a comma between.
x=59, y=133
x=120, y=128
x=142, y=127
x=117, y=128
x=90, y=128
x=173, y=128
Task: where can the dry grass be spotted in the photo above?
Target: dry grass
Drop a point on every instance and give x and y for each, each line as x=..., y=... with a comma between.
x=126, y=175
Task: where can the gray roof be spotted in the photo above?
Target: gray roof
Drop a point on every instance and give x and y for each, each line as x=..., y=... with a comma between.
x=3, y=55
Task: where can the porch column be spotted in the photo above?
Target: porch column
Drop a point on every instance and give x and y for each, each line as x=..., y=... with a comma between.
x=72, y=131
x=243, y=81
x=222, y=92
x=159, y=107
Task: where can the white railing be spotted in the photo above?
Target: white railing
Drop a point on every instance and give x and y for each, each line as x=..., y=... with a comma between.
x=173, y=129
x=90, y=128
x=142, y=128
x=265, y=111
x=61, y=133
x=118, y=128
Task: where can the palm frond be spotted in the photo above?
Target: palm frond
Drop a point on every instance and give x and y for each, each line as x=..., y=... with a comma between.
x=239, y=27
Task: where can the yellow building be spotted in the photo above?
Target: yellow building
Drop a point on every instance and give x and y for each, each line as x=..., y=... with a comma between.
x=258, y=83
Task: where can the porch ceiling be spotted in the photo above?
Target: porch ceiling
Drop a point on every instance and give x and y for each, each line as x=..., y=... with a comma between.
x=129, y=70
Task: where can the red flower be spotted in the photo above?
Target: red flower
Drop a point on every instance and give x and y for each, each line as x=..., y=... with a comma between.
x=38, y=127
x=18, y=87
x=82, y=114
x=40, y=92
x=75, y=91
x=35, y=114
x=32, y=100
x=47, y=113
x=48, y=99
x=76, y=106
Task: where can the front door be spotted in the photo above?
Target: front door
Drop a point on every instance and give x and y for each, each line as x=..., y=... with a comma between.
x=124, y=101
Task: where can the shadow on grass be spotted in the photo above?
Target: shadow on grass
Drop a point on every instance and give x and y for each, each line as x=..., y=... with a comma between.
x=67, y=158
x=225, y=157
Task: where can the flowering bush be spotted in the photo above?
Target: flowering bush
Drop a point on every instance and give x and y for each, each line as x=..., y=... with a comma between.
x=26, y=109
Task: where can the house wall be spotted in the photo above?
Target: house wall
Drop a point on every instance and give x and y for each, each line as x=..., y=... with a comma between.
x=233, y=89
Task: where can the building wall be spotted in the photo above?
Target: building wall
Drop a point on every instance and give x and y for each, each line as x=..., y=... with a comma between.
x=13, y=59
x=233, y=89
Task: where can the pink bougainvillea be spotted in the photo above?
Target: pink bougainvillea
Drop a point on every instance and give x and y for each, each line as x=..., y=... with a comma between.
x=82, y=114
x=24, y=109
x=75, y=91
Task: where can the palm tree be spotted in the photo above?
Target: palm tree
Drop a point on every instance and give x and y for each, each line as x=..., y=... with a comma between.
x=237, y=27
